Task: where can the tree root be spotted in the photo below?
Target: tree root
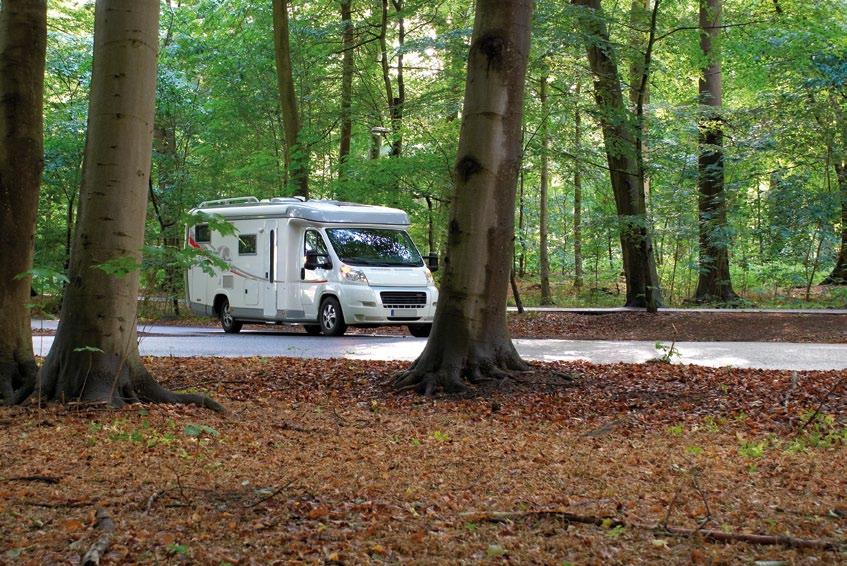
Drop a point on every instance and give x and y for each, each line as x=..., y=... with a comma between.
x=110, y=380
x=434, y=371
x=16, y=382
x=98, y=549
x=611, y=522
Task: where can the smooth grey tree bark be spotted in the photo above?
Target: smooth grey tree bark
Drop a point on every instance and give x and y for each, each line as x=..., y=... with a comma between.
x=470, y=340
x=95, y=357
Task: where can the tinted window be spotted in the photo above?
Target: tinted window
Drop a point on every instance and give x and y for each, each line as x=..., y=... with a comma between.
x=247, y=244
x=374, y=246
x=202, y=234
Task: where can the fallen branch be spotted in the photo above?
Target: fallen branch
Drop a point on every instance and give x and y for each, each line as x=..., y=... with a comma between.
x=611, y=522
x=271, y=495
x=152, y=499
x=42, y=479
x=58, y=504
x=106, y=527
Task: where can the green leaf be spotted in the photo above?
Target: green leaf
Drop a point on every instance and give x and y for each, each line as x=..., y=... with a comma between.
x=91, y=349
x=119, y=266
x=495, y=551
x=197, y=430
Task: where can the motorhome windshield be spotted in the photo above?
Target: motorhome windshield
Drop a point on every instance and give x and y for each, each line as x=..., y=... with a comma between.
x=374, y=246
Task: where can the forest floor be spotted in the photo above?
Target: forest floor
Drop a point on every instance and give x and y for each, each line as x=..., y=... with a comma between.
x=724, y=326
x=318, y=461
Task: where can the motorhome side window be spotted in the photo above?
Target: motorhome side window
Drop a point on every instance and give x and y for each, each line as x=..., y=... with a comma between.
x=202, y=234
x=247, y=244
x=315, y=244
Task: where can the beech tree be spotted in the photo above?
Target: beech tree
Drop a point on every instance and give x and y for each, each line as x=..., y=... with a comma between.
x=544, y=185
x=296, y=150
x=469, y=338
x=346, y=86
x=23, y=40
x=95, y=356
x=621, y=135
x=714, y=283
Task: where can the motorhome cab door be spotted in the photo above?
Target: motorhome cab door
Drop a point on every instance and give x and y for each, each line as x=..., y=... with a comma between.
x=312, y=278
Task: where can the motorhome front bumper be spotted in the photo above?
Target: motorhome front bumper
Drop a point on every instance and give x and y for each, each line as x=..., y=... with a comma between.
x=390, y=305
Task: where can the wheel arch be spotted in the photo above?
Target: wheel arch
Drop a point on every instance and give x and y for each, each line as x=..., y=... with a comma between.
x=218, y=302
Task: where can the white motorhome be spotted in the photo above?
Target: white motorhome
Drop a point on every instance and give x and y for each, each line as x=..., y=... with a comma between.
x=323, y=264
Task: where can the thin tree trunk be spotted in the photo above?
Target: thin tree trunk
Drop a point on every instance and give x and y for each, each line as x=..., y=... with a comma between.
x=714, y=282
x=543, y=257
x=398, y=102
x=296, y=151
x=838, y=276
x=516, y=292
x=577, y=194
x=386, y=70
x=346, y=87
x=95, y=357
x=522, y=228
x=23, y=40
x=622, y=147
x=430, y=224
x=470, y=339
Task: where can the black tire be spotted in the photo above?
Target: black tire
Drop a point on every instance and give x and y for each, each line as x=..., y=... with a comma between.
x=312, y=329
x=331, y=317
x=420, y=330
x=229, y=324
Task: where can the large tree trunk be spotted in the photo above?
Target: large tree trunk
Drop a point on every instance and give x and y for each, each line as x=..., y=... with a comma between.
x=714, y=283
x=839, y=272
x=346, y=87
x=470, y=339
x=95, y=357
x=296, y=151
x=543, y=223
x=23, y=40
x=577, y=193
x=620, y=138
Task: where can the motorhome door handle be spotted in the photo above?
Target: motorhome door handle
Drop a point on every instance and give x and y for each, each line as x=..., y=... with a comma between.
x=303, y=273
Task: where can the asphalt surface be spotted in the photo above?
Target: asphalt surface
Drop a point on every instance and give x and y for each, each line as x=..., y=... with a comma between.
x=196, y=341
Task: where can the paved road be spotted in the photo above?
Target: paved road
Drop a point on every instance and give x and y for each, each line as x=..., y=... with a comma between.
x=191, y=341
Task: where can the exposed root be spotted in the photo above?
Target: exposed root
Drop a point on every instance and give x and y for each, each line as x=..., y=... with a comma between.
x=16, y=382
x=101, y=378
x=436, y=370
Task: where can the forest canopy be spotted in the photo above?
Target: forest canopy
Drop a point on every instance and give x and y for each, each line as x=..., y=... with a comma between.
x=391, y=74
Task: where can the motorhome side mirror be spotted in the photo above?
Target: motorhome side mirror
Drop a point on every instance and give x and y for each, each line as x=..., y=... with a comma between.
x=311, y=261
x=315, y=260
x=432, y=262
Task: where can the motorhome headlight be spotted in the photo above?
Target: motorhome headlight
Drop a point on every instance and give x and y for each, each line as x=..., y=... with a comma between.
x=429, y=278
x=353, y=275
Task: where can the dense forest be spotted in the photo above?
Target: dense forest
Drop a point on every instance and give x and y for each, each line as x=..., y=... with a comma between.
x=371, y=114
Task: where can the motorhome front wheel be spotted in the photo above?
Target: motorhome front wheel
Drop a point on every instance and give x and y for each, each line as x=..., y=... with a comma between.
x=331, y=318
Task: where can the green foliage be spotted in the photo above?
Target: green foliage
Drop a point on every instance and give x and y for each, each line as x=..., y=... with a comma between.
x=197, y=430
x=218, y=133
x=119, y=266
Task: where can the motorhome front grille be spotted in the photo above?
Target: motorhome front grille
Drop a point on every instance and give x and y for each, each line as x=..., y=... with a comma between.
x=403, y=300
